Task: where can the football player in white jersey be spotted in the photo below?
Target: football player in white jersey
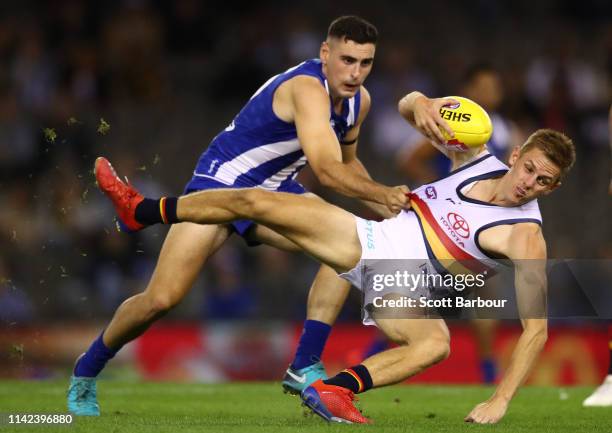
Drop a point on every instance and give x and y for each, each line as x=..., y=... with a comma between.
x=422, y=162
x=342, y=241
x=298, y=113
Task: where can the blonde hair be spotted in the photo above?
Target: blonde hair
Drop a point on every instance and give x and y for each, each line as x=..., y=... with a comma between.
x=557, y=147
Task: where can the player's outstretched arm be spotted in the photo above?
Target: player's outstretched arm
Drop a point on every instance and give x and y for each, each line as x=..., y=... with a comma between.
x=527, y=249
x=352, y=161
x=310, y=105
x=380, y=209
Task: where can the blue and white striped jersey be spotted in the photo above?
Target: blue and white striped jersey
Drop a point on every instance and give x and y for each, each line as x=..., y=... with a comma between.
x=258, y=148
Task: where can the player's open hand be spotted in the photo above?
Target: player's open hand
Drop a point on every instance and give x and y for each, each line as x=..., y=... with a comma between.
x=427, y=118
x=488, y=412
x=397, y=198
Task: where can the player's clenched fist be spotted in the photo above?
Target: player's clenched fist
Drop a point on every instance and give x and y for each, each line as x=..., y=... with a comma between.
x=424, y=114
x=397, y=199
x=427, y=117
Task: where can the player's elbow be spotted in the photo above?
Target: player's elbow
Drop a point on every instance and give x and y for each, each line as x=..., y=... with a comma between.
x=327, y=175
x=328, y=182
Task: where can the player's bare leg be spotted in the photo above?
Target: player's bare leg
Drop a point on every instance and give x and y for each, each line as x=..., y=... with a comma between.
x=325, y=299
x=325, y=231
x=265, y=235
x=183, y=254
x=422, y=343
x=326, y=296
x=328, y=291
x=322, y=230
x=185, y=250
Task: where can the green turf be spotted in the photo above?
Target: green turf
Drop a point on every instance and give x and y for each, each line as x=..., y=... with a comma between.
x=262, y=407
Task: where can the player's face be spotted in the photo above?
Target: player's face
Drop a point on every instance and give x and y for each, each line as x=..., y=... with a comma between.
x=346, y=64
x=531, y=176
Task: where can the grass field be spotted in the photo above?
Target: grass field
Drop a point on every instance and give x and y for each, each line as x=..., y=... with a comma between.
x=262, y=407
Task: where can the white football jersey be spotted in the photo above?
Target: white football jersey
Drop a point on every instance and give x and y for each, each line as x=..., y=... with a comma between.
x=450, y=221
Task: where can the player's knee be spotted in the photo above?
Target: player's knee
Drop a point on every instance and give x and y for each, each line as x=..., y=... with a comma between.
x=161, y=303
x=439, y=348
x=254, y=202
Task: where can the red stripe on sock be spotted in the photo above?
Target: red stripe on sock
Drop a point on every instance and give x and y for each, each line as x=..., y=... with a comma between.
x=357, y=378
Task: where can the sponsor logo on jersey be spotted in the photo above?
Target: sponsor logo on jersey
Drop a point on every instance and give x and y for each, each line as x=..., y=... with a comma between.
x=459, y=224
x=456, y=226
x=431, y=192
x=213, y=165
x=369, y=235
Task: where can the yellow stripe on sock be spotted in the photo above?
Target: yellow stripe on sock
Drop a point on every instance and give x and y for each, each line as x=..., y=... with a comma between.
x=357, y=378
x=162, y=210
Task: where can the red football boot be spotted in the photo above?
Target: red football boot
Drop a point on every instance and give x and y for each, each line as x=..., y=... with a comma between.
x=333, y=403
x=124, y=196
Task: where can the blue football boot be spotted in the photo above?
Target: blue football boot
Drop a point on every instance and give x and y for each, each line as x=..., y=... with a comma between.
x=82, y=399
x=295, y=381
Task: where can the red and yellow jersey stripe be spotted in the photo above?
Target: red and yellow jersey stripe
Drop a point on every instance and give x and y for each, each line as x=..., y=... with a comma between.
x=441, y=247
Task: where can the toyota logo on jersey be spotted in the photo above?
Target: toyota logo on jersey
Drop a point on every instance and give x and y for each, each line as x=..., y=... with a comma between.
x=458, y=224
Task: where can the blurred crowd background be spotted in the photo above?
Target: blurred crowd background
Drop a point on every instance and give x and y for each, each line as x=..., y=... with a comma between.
x=149, y=83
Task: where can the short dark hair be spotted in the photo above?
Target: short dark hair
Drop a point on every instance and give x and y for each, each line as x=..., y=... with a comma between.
x=478, y=68
x=353, y=28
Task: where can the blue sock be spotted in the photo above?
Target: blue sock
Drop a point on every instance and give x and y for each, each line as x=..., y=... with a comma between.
x=313, y=339
x=488, y=368
x=94, y=360
x=379, y=344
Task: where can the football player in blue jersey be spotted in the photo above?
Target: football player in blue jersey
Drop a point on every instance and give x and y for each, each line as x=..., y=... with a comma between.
x=312, y=112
